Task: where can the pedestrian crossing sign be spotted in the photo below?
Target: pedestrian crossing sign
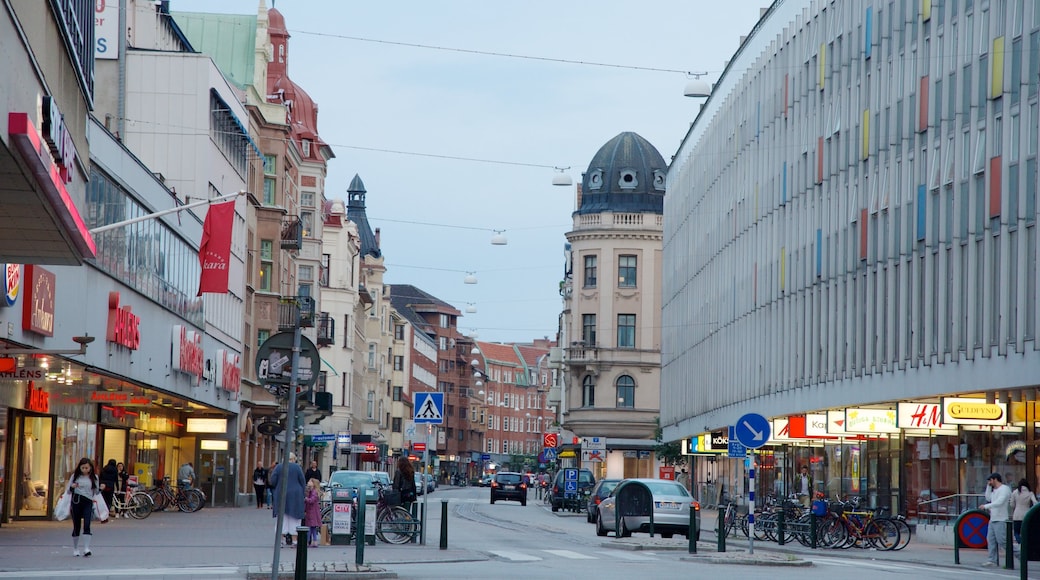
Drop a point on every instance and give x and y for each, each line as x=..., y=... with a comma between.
x=429, y=408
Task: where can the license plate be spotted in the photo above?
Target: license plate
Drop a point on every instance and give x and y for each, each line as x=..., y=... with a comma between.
x=669, y=505
x=509, y=487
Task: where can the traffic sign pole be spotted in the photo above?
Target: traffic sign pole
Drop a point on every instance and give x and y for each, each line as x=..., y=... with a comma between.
x=751, y=505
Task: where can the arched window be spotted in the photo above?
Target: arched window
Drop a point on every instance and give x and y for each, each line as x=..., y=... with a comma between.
x=588, y=392
x=626, y=392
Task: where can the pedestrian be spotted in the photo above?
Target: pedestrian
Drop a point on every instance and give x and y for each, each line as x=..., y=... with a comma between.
x=186, y=476
x=313, y=472
x=83, y=485
x=291, y=476
x=270, y=490
x=312, y=512
x=260, y=484
x=404, y=482
x=124, y=477
x=109, y=479
x=1022, y=499
x=804, y=485
x=998, y=498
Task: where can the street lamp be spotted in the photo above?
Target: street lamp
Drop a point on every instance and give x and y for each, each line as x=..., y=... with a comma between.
x=562, y=178
x=697, y=87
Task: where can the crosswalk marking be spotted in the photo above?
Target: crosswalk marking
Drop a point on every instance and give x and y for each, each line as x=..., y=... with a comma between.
x=888, y=566
x=129, y=572
x=514, y=556
x=570, y=554
x=632, y=556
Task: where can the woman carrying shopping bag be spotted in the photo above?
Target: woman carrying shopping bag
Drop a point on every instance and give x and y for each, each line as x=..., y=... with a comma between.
x=82, y=487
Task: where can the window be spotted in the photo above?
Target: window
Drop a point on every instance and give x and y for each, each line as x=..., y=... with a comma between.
x=266, y=264
x=398, y=364
x=262, y=336
x=269, y=190
x=444, y=320
x=372, y=356
x=626, y=330
x=370, y=405
x=588, y=392
x=398, y=393
x=590, y=272
x=270, y=165
x=306, y=273
x=348, y=330
x=398, y=332
x=306, y=147
x=395, y=425
x=307, y=199
x=588, y=329
x=323, y=274
x=626, y=272
x=307, y=223
x=626, y=392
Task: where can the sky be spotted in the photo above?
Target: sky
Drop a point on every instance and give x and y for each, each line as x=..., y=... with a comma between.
x=455, y=114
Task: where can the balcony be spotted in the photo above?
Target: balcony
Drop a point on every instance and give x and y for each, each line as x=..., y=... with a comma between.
x=326, y=330
x=296, y=310
x=292, y=233
x=598, y=357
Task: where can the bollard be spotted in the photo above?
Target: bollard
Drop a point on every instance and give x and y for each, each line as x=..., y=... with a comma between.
x=780, y=527
x=302, y=540
x=721, y=529
x=812, y=530
x=422, y=524
x=359, y=532
x=444, y=524
x=693, y=530
x=1009, y=545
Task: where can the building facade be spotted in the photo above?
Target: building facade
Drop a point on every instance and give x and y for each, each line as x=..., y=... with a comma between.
x=850, y=250
x=611, y=313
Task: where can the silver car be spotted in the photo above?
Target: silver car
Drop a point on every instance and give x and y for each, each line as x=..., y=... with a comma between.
x=671, y=511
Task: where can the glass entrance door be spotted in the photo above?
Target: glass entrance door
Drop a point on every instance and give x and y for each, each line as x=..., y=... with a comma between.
x=215, y=477
x=32, y=463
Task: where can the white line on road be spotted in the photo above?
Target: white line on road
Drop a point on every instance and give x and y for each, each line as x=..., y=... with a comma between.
x=570, y=554
x=645, y=557
x=891, y=566
x=131, y=572
x=514, y=556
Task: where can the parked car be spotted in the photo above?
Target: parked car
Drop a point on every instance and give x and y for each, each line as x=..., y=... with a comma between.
x=486, y=481
x=431, y=483
x=419, y=487
x=671, y=511
x=509, y=485
x=557, y=490
x=599, y=492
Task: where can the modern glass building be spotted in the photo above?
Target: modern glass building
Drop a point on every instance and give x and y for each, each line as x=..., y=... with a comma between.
x=850, y=249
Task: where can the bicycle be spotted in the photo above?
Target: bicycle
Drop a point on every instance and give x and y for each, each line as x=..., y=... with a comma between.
x=134, y=504
x=394, y=524
x=163, y=496
x=728, y=524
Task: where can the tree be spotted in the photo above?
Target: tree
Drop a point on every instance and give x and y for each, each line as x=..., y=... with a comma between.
x=669, y=453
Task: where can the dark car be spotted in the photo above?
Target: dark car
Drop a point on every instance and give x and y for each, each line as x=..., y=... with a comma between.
x=486, y=481
x=599, y=492
x=558, y=496
x=509, y=485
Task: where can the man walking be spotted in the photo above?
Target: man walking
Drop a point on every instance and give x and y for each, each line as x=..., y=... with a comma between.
x=998, y=497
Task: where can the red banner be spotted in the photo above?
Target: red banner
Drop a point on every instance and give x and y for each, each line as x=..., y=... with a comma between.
x=215, y=249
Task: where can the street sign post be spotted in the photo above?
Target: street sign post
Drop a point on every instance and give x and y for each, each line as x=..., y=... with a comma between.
x=429, y=408
x=736, y=449
x=752, y=430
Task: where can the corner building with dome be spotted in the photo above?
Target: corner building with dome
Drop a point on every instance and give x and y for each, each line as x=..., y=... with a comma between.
x=850, y=250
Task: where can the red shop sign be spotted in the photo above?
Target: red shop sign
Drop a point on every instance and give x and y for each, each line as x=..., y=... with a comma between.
x=124, y=327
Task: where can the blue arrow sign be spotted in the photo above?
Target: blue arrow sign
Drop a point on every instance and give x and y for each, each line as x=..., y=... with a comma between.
x=752, y=430
x=429, y=408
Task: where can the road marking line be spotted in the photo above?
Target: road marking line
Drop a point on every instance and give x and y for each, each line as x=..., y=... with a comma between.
x=645, y=557
x=514, y=556
x=570, y=554
x=131, y=572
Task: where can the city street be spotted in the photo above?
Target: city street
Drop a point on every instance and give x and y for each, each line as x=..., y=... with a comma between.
x=483, y=541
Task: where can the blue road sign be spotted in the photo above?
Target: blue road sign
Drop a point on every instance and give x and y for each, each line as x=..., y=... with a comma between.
x=323, y=437
x=752, y=430
x=736, y=448
x=549, y=453
x=485, y=456
x=429, y=408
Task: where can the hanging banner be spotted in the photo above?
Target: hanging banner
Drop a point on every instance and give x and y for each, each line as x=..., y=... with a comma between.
x=215, y=249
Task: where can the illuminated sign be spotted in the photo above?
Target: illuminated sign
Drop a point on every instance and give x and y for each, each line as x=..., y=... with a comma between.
x=37, y=400
x=118, y=397
x=204, y=425
x=124, y=327
x=187, y=352
x=24, y=374
x=964, y=411
x=816, y=425
x=38, y=306
x=229, y=376
x=12, y=283
x=59, y=140
x=870, y=421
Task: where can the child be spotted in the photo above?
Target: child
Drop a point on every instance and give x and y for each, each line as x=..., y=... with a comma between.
x=312, y=512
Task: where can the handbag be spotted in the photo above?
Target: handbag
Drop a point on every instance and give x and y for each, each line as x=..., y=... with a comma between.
x=392, y=497
x=100, y=509
x=61, y=511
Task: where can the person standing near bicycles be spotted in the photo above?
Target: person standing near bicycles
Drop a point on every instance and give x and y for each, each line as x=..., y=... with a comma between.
x=404, y=482
x=291, y=476
x=313, y=472
x=260, y=484
x=186, y=476
x=998, y=499
x=83, y=485
x=803, y=484
x=312, y=511
x=109, y=479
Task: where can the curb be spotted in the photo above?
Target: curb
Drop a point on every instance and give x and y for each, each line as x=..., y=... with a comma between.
x=748, y=560
x=340, y=571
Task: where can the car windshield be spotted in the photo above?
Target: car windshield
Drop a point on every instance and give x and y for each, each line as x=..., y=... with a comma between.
x=666, y=488
x=508, y=478
x=608, y=486
x=351, y=479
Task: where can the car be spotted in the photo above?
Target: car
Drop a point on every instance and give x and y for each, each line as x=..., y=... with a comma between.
x=597, y=494
x=558, y=496
x=431, y=484
x=671, y=511
x=509, y=485
x=382, y=477
x=419, y=487
x=354, y=479
x=486, y=481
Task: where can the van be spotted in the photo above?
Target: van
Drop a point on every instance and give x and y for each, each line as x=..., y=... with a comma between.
x=557, y=497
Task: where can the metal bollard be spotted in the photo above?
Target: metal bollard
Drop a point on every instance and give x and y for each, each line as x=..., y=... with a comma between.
x=780, y=527
x=444, y=525
x=693, y=530
x=359, y=532
x=302, y=540
x=1009, y=545
x=721, y=529
x=812, y=531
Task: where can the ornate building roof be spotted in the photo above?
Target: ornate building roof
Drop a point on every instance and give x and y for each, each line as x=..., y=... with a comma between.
x=627, y=174
x=356, y=213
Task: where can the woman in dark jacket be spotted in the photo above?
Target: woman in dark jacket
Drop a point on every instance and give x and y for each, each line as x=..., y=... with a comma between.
x=404, y=481
x=260, y=484
x=109, y=481
x=291, y=476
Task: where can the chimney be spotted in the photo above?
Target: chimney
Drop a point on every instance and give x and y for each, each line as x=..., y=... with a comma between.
x=377, y=237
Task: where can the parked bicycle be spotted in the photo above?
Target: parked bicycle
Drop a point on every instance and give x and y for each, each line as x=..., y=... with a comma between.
x=131, y=504
x=394, y=524
x=186, y=500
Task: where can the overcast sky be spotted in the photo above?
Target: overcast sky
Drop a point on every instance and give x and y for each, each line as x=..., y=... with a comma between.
x=375, y=95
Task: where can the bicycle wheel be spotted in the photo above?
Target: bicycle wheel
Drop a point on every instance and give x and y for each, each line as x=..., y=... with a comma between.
x=833, y=533
x=882, y=534
x=200, y=499
x=396, y=526
x=139, y=506
x=904, y=533
x=189, y=502
x=160, y=501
